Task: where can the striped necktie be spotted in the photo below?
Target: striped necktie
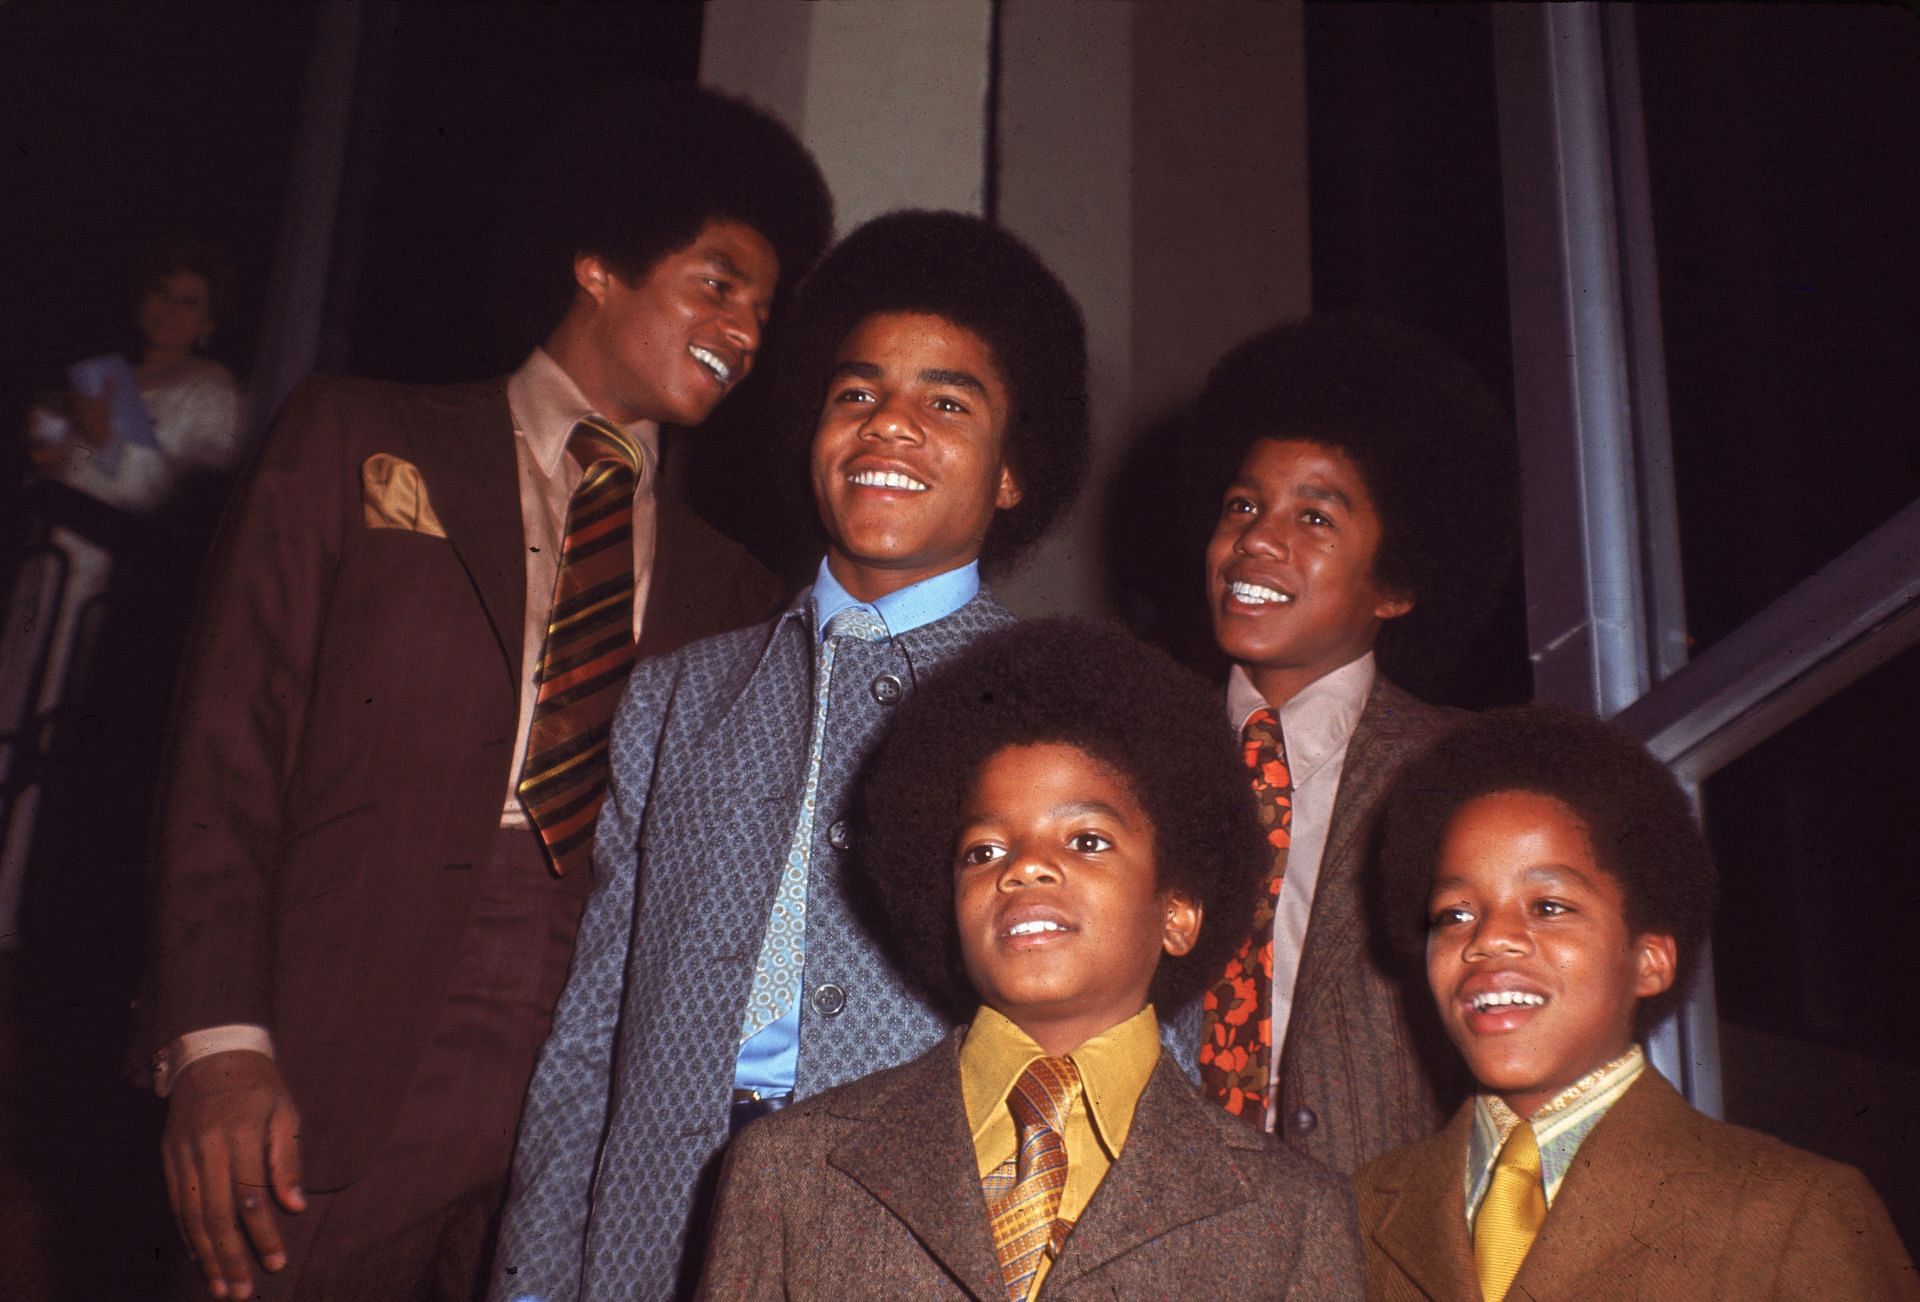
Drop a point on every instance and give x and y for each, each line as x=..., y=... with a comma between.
x=589, y=647
x=1023, y=1193
x=1236, y=1026
x=1510, y=1214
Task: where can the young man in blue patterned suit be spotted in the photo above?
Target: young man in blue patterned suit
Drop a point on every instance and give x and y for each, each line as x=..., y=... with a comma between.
x=723, y=968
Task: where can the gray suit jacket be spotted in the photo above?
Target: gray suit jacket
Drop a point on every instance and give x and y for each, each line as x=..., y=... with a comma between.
x=873, y=1190
x=1357, y=1074
x=628, y=1106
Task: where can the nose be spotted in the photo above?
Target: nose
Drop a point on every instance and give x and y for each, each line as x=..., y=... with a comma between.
x=742, y=328
x=1028, y=868
x=891, y=419
x=1500, y=933
x=1263, y=535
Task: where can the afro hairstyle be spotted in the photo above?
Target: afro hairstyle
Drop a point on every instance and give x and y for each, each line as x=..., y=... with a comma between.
x=970, y=272
x=633, y=172
x=1639, y=822
x=1096, y=688
x=1430, y=440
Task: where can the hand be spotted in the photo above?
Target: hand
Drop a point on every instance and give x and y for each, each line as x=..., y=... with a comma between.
x=92, y=417
x=232, y=1135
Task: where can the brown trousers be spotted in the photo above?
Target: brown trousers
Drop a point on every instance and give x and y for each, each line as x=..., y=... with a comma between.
x=419, y=1224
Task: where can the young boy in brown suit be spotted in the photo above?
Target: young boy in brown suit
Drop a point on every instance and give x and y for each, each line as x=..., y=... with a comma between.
x=1356, y=479
x=1044, y=831
x=1562, y=890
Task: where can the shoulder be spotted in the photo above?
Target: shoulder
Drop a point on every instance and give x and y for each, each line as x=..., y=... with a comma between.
x=1395, y=1170
x=345, y=396
x=1403, y=714
x=207, y=377
x=811, y=1125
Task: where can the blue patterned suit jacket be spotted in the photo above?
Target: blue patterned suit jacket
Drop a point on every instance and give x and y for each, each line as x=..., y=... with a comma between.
x=628, y=1107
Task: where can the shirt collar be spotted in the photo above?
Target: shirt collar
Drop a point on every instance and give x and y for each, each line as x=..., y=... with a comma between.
x=1318, y=722
x=911, y=607
x=1559, y=1127
x=547, y=404
x=1114, y=1067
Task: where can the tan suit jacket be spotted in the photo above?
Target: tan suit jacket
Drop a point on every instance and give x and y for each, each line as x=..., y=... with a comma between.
x=1662, y=1202
x=1357, y=1071
x=872, y=1190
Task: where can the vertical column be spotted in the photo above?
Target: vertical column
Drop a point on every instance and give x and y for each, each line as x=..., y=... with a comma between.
x=1604, y=607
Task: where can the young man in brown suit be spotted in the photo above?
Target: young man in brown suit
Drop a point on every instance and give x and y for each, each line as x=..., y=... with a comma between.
x=1358, y=484
x=1553, y=869
x=1045, y=830
x=365, y=913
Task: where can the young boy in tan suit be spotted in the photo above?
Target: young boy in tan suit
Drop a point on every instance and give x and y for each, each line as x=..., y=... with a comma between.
x=1044, y=832
x=1554, y=870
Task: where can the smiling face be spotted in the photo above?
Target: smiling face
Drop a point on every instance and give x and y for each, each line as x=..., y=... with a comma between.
x=668, y=346
x=1062, y=919
x=1529, y=955
x=907, y=456
x=1290, y=580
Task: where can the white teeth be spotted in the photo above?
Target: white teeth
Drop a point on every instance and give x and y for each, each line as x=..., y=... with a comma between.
x=1256, y=594
x=887, y=479
x=1033, y=928
x=1501, y=998
x=720, y=369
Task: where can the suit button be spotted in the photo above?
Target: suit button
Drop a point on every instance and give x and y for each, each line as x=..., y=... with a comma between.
x=1303, y=1121
x=829, y=999
x=886, y=689
x=838, y=836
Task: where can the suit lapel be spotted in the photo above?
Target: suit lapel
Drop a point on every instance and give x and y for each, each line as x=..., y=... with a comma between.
x=1628, y=1201
x=1424, y=1229
x=914, y=1155
x=1165, y=1177
x=465, y=455
x=1332, y=926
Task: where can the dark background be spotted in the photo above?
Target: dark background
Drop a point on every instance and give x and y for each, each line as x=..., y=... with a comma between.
x=1783, y=162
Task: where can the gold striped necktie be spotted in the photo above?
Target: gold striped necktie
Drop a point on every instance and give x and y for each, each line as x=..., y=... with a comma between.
x=589, y=647
x=1023, y=1204
x=1510, y=1214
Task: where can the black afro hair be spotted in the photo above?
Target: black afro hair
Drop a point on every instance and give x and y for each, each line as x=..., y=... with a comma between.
x=1639, y=822
x=974, y=274
x=1125, y=704
x=1430, y=440
x=633, y=172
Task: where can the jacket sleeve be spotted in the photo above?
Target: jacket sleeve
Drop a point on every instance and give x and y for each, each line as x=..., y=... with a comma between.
x=1841, y=1243
x=238, y=721
x=745, y=1246
x=543, y=1230
x=1328, y=1264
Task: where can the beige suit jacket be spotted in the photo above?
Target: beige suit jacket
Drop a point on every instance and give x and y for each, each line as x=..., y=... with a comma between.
x=1662, y=1202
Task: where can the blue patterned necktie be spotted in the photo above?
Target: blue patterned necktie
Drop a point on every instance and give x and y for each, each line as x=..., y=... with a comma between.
x=776, y=974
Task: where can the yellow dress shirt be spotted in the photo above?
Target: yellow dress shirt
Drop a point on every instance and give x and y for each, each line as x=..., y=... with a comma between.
x=1114, y=1067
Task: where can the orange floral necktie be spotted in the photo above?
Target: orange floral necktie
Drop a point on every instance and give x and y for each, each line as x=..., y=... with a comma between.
x=1236, y=1027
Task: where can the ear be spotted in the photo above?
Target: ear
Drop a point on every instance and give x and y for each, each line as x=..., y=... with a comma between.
x=1183, y=923
x=592, y=275
x=1655, y=959
x=1393, y=603
x=1009, y=493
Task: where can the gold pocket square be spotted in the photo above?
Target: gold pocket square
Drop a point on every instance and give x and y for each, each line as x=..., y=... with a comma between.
x=393, y=496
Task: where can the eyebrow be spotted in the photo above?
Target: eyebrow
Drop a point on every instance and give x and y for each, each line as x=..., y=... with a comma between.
x=932, y=375
x=1319, y=494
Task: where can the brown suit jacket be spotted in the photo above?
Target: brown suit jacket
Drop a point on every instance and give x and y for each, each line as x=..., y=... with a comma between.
x=342, y=737
x=1662, y=1202
x=872, y=1190
x=1360, y=1071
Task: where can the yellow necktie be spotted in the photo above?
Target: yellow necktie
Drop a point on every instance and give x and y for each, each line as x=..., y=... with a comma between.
x=1510, y=1215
